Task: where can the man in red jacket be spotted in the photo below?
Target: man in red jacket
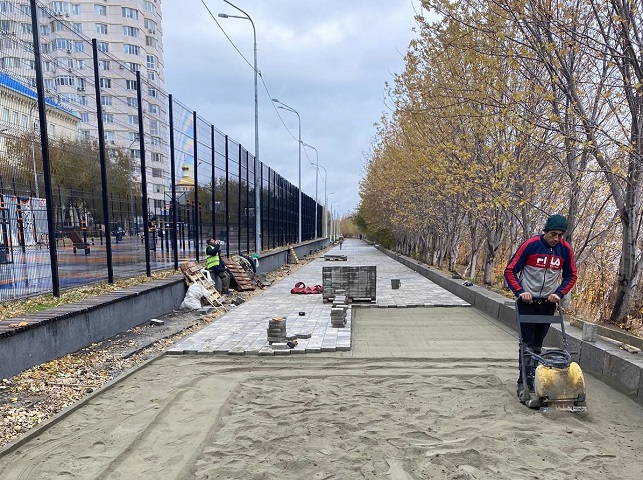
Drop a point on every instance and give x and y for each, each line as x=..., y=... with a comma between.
x=534, y=276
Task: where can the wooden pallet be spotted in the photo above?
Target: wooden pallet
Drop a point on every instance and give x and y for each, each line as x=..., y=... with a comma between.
x=251, y=274
x=239, y=276
x=193, y=274
x=293, y=256
x=339, y=258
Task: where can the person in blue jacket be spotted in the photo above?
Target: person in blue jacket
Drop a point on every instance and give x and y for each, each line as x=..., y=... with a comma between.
x=540, y=273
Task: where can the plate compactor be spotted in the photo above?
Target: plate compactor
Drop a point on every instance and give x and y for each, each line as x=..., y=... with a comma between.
x=549, y=378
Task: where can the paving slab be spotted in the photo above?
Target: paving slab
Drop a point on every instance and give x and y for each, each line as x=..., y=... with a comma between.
x=243, y=329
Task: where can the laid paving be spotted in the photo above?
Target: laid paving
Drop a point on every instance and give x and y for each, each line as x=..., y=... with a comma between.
x=243, y=331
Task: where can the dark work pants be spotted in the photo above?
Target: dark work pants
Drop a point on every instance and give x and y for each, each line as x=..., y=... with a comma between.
x=533, y=334
x=225, y=279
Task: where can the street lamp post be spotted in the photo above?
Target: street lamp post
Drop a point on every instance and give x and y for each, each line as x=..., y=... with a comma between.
x=325, y=229
x=283, y=106
x=316, y=175
x=33, y=148
x=257, y=163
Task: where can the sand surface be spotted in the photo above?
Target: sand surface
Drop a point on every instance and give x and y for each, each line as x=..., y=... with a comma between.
x=373, y=413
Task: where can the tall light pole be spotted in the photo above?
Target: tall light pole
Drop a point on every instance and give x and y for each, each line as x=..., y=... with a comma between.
x=324, y=228
x=33, y=147
x=316, y=175
x=283, y=106
x=257, y=163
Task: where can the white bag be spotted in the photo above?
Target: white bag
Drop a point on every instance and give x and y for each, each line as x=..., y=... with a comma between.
x=192, y=300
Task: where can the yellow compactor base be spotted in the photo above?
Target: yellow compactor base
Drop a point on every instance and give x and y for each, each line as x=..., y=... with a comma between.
x=560, y=385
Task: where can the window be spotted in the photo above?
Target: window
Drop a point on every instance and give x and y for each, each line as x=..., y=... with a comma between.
x=150, y=25
x=50, y=84
x=85, y=134
x=150, y=41
x=152, y=92
x=105, y=83
x=78, y=27
x=153, y=108
x=8, y=26
x=151, y=61
x=129, y=12
x=106, y=100
x=151, y=75
x=132, y=102
x=108, y=117
x=109, y=136
x=130, y=84
x=66, y=80
x=25, y=9
x=9, y=62
x=155, y=141
x=5, y=114
x=133, y=136
x=25, y=121
x=26, y=27
x=149, y=7
x=132, y=119
x=154, y=127
x=44, y=29
x=56, y=26
x=157, y=172
x=102, y=47
x=112, y=152
x=6, y=7
x=130, y=31
x=80, y=82
x=16, y=119
x=131, y=49
x=156, y=157
x=80, y=64
x=60, y=7
x=100, y=10
x=103, y=64
x=75, y=9
x=102, y=28
x=132, y=66
x=84, y=117
x=62, y=44
x=79, y=45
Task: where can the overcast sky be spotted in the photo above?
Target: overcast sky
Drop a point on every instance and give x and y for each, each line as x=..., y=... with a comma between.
x=328, y=59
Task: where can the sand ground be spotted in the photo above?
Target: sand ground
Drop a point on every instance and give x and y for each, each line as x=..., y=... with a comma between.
x=425, y=393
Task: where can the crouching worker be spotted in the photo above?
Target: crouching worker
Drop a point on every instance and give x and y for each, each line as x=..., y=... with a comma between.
x=214, y=264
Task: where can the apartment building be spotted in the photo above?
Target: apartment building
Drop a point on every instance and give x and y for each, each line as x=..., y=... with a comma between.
x=129, y=39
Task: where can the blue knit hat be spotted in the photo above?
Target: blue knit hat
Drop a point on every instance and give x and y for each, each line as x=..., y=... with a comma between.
x=556, y=222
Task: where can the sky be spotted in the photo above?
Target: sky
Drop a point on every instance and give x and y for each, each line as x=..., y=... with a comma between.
x=329, y=60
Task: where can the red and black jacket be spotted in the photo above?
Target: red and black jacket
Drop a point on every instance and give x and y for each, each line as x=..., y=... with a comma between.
x=536, y=268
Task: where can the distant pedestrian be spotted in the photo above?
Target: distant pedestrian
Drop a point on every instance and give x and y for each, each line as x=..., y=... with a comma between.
x=214, y=264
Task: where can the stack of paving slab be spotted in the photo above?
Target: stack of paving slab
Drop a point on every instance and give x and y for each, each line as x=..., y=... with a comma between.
x=359, y=282
x=277, y=330
x=339, y=310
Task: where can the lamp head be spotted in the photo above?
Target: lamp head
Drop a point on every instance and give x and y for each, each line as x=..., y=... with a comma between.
x=223, y=15
x=275, y=100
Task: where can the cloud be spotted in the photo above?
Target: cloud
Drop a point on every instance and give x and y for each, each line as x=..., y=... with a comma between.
x=328, y=60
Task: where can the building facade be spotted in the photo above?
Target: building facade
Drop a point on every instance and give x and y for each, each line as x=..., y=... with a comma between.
x=129, y=39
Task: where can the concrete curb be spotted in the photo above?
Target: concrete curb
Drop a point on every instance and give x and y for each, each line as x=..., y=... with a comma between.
x=604, y=358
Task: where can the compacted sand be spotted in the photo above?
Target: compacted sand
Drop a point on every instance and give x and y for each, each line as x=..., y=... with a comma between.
x=436, y=413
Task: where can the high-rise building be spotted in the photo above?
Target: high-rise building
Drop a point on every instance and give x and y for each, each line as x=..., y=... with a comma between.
x=129, y=39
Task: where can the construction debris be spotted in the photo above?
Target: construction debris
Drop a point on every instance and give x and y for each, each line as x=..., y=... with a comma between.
x=192, y=272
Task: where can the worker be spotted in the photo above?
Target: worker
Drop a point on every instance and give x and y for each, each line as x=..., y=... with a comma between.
x=534, y=276
x=214, y=264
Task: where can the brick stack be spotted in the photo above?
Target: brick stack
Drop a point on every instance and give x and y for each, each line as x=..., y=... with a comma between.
x=277, y=330
x=339, y=310
x=360, y=282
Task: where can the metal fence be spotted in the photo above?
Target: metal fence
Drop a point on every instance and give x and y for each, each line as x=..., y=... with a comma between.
x=105, y=175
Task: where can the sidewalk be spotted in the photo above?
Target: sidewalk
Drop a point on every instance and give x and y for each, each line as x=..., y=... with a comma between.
x=242, y=331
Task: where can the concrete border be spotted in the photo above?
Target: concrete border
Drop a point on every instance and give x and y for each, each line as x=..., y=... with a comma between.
x=61, y=330
x=604, y=358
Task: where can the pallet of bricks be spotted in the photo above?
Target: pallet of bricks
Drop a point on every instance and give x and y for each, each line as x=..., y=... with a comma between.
x=192, y=274
x=359, y=282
